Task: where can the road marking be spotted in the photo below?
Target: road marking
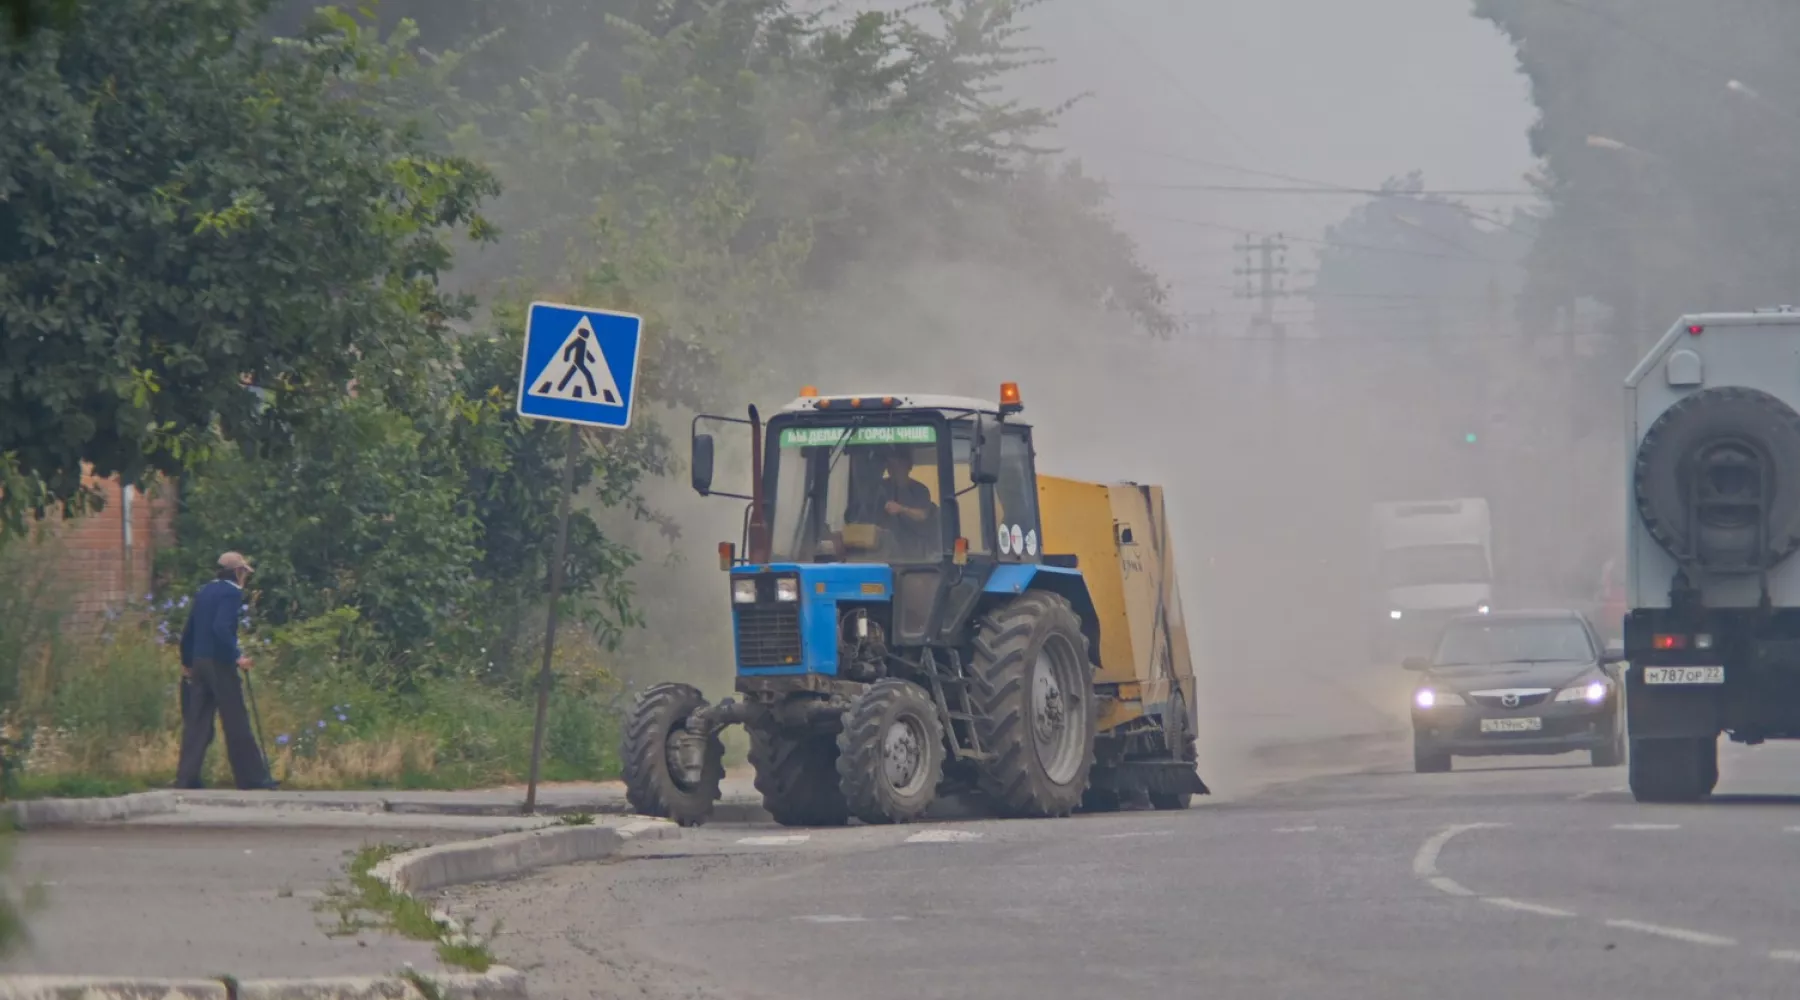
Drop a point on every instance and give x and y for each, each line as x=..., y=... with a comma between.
x=1785, y=956
x=1790, y=829
x=1646, y=826
x=1676, y=933
x=832, y=918
x=778, y=840
x=1425, y=862
x=1590, y=794
x=1136, y=833
x=1448, y=885
x=1520, y=904
x=943, y=837
x=1296, y=829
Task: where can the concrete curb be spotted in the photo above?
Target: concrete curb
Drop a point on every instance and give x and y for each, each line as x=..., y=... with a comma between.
x=498, y=983
x=33, y=814
x=1327, y=746
x=745, y=811
x=509, y=854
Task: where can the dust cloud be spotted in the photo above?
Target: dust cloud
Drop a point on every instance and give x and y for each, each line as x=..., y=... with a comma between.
x=1271, y=452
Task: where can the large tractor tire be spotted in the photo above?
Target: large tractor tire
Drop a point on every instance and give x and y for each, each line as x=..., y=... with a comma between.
x=890, y=754
x=798, y=778
x=653, y=784
x=1673, y=770
x=1034, y=694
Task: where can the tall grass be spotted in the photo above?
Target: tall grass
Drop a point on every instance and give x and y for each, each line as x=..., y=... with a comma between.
x=99, y=712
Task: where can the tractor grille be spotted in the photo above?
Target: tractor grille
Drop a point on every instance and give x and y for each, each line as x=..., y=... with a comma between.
x=768, y=636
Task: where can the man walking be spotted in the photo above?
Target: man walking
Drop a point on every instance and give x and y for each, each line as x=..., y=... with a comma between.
x=211, y=661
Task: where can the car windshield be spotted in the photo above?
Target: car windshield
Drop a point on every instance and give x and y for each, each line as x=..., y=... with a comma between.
x=1424, y=565
x=855, y=492
x=1475, y=643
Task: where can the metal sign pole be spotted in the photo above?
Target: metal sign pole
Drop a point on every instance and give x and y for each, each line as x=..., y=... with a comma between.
x=557, y=558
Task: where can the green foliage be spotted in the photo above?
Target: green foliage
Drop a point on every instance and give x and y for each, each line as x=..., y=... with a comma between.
x=200, y=233
x=1684, y=203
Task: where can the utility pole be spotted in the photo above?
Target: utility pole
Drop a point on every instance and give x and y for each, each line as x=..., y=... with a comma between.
x=1265, y=278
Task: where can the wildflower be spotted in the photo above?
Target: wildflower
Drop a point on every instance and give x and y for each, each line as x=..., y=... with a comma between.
x=343, y=718
x=281, y=740
x=321, y=723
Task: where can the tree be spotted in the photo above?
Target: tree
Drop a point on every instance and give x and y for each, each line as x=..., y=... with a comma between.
x=201, y=233
x=1671, y=186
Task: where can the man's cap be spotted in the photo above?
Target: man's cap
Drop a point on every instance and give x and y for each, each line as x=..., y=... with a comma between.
x=235, y=561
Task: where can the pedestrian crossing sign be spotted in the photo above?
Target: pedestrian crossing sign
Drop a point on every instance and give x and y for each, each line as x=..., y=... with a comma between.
x=580, y=365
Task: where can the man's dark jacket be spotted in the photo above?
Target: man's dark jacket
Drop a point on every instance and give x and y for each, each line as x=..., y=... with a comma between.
x=212, y=625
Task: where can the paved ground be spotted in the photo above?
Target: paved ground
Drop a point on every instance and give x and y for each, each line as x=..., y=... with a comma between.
x=216, y=891
x=1533, y=877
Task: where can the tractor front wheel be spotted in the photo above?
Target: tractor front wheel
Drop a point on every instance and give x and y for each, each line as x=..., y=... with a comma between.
x=890, y=753
x=669, y=772
x=1034, y=688
x=797, y=776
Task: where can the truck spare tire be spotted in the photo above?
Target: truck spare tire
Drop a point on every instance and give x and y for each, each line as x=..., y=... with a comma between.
x=1725, y=451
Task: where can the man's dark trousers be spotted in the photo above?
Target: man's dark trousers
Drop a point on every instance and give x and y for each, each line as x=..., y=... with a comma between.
x=217, y=687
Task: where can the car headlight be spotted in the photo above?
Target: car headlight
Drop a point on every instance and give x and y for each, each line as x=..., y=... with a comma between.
x=1482, y=610
x=1593, y=692
x=1395, y=615
x=787, y=588
x=743, y=590
x=1427, y=698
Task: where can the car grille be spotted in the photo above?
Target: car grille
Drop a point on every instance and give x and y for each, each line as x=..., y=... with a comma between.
x=768, y=636
x=1525, y=700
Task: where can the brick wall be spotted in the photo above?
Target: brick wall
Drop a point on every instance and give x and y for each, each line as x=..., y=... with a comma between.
x=94, y=559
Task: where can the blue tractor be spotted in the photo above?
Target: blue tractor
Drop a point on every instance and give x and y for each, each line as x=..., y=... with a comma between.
x=899, y=630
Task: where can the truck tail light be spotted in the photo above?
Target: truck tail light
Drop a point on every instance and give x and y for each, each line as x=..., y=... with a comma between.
x=1669, y=642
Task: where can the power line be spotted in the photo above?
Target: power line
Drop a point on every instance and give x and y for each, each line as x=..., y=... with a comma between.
x=1339, y=244
x=1357, y=192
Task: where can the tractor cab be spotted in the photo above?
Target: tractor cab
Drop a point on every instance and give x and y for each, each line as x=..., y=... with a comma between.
x=898, y=480
x=883, y=512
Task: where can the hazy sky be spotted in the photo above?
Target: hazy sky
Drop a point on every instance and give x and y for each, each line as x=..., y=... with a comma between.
x=1348, y=92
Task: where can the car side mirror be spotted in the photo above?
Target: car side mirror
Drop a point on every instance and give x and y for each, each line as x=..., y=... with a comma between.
x=1612, y=658
x=1415, y=663
x=702, y=464
x=984, y=452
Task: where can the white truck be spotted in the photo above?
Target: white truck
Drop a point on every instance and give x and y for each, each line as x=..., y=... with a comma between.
x=1712, y=636
x=1433, y=561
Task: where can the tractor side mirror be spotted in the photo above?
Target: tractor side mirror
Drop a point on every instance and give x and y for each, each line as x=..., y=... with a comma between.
x=984, y=455
x=703, y=464
x=1415, y=664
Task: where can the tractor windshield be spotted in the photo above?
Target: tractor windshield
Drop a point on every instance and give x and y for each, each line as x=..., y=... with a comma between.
x=856, y=492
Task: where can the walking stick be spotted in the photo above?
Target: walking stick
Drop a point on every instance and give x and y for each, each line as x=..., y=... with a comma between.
x=256, y=718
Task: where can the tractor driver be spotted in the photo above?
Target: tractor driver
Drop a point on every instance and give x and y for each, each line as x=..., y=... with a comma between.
x=905, y=503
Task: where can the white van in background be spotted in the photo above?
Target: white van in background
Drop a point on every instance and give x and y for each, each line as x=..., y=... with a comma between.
x=1433, y=561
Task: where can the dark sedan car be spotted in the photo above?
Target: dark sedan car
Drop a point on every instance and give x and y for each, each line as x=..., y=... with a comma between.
x=1517, y=682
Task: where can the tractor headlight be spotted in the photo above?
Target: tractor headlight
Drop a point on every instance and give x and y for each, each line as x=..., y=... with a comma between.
x=787, y=588
x=743, y=590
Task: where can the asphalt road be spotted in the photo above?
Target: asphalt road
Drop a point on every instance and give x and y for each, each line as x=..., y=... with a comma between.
x=1531, y=877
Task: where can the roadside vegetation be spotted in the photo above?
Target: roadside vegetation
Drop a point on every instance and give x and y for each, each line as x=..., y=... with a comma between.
x=292, y=288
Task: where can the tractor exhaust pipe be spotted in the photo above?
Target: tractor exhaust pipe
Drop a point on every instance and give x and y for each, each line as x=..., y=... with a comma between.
x=759, y=523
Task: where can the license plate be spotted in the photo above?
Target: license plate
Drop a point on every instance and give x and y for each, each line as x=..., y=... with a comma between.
x=1684, y=675
x=1529, y=725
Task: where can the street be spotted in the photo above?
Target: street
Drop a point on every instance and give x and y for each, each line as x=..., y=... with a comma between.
x=1509, y=877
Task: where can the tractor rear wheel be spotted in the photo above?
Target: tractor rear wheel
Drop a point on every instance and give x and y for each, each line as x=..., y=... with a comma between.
x=890, y=753
x=797, y=776
x=655, y=784
x=1034, y=691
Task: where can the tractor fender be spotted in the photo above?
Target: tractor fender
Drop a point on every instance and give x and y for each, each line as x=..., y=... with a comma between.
x=1012, y=579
